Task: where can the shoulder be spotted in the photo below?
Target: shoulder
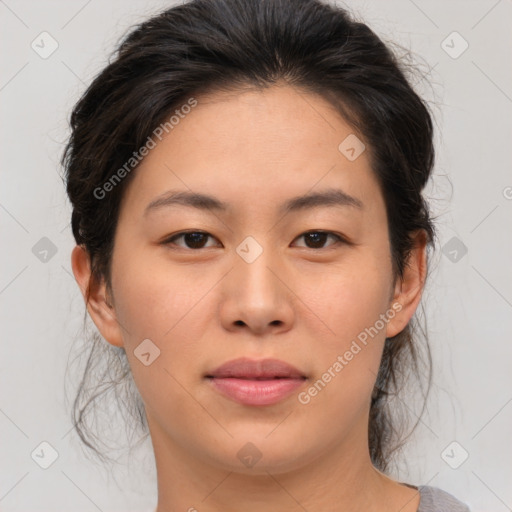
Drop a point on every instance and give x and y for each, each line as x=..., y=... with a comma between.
x=433, y=499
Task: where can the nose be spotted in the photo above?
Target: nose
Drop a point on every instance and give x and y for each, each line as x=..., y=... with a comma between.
x=257, y=297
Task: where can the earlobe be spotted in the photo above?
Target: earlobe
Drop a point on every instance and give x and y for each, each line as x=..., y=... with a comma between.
x=99, y=305
x=409, y=288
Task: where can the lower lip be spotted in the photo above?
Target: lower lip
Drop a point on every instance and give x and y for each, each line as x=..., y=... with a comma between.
x=256, y=392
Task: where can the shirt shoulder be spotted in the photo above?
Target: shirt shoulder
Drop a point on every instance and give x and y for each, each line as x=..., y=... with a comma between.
x=433, y=499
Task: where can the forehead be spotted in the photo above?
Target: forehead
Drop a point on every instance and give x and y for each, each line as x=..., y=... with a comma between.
x=256, y=147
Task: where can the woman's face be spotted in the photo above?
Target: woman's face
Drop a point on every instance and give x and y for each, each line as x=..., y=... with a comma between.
x=255, y=285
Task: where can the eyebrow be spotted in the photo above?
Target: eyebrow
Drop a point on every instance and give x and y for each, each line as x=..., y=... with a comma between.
x=327, y=198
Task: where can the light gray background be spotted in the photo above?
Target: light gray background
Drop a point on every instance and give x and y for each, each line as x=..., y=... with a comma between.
x=468, y=302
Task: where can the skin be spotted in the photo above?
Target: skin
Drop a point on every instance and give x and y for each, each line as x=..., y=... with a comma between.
x=298, y=302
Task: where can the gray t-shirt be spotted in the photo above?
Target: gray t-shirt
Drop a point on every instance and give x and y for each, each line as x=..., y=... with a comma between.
x=433, y=499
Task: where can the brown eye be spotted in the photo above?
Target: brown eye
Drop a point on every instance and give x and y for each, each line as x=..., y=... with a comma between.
x=197, y=239
x=192, y=239
x=317, y=239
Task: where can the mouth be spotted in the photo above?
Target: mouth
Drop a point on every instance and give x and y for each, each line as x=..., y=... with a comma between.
x=256, y=382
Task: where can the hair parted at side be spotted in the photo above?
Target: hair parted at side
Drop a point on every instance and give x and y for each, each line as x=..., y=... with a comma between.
x=207, y=46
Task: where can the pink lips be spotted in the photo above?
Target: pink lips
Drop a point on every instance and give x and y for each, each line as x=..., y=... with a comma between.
x=256, y=382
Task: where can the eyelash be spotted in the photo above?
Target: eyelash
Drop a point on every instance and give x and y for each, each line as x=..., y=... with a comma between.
x=339, y=239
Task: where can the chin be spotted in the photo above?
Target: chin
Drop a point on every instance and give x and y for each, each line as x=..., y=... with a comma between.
x=261, y=453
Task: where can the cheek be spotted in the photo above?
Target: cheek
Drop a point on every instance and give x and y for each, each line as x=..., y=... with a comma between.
x=154, y=297
x=351, y=302
x=349, y=298
x=153, y=303
x=347, y=362
x=165, y=304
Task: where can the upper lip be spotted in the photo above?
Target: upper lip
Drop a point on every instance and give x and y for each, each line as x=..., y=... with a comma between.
x=246, y=368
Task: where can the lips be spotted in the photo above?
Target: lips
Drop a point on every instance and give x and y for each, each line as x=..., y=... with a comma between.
x=245, y=368
x=256, y=382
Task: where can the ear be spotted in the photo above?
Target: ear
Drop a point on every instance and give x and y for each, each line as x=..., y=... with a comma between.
x=100, y=307
x=408, y=290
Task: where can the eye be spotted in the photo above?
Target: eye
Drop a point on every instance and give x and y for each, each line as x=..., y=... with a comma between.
x=193, y=239
x=197, y=239
x=318, y=238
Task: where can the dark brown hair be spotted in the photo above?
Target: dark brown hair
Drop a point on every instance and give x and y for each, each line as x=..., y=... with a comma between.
x=205, y=46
